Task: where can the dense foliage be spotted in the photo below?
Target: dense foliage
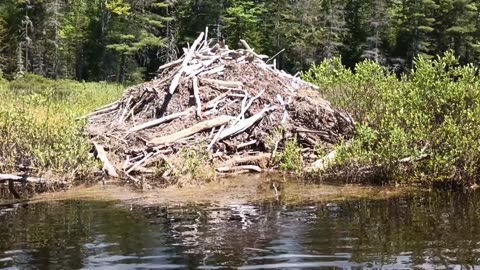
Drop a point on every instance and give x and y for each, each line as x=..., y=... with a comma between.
x=125, y=40
x=421, y=127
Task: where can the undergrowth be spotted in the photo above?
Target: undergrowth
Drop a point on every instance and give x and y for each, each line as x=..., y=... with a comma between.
x=38, y=127
x=420, y=128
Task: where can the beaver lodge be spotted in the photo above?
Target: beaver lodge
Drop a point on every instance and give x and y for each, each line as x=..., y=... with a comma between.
x=216, y=108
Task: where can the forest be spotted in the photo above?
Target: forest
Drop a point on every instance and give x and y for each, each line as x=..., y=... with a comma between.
x=126, y=40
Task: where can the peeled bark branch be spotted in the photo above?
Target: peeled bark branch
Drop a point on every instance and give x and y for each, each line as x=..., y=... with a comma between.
x=245, y=124
x=208, y=124
x=102, y=156
x=197, y=96
x=159, y=121
x=186, y=61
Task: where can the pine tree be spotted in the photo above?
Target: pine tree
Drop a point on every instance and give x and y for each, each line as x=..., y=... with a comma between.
x=333, y=14
x=243, y=20
x=378, y=22
x=414, y=24
x=455, y=26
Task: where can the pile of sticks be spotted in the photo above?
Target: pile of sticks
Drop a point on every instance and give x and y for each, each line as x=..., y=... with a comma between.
x=231, y=103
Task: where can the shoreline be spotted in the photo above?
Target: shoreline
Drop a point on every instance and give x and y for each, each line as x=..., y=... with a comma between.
x=234, y=190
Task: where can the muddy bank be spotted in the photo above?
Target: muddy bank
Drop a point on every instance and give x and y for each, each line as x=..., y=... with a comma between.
x=239, y=189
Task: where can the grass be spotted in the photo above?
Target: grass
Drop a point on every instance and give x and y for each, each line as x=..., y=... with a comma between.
x=38, y=126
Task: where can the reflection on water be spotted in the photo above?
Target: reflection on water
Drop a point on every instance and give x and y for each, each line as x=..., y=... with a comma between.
x=434, y=231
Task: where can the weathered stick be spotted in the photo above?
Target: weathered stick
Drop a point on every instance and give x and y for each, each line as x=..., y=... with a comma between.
x=107, y=106
x=171, y=64
x=213, y=71
x=245, y=109
x=188, y=57
x=230, y=84
x=245, y=124
x=250, y=50
x=275, y=55
x=102, y=156
x=125, y=110
x=239, y=160
x=197, y=96
x=242, y=145
x=207, y=124
x=140, y=162
x=215, y=139
x=18, y=178
x=250, y=168
x=212, y=103
x=159, y=121
x=111, y=108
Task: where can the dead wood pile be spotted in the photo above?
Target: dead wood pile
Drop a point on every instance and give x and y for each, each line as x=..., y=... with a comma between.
x=229, y=102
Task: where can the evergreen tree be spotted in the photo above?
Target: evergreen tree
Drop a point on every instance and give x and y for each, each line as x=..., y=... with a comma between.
x=414, y=21
x=378, y=22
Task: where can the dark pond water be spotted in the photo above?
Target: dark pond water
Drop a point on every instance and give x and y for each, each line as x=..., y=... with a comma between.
x=433, y=231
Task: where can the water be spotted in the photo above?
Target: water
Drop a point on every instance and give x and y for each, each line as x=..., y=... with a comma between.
x=433, y=231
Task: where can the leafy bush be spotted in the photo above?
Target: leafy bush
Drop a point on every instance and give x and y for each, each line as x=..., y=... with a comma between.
x=430, y=115
x=38, y=126
x=290, y=159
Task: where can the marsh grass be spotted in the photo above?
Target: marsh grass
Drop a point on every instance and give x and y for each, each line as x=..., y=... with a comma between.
x=38, y=127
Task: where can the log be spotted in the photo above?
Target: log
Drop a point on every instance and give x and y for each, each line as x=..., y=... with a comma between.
x=159, y=121
x=213, y=71
x=250, y=50
x=240, y=160
x=106, y=106
x=171, y=64
x=197, y=96
x=230, y=84
x=112, y=107
x=250, y=168
x=22, y=179
x=102, y=156
x=245, y=124
x=242, y=145
x=207, y=124
x=186, y=61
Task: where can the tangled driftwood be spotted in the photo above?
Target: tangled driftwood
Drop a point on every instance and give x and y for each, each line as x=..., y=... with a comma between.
x=243, y=109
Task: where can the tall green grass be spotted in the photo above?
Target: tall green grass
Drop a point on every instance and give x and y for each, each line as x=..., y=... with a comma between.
x=38, y=126
x=431, y=114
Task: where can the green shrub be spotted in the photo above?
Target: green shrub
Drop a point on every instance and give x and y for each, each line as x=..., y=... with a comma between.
x=433, y=110
x=290, y=159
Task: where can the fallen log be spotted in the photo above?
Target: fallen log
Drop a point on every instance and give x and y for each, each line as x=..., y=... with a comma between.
x=241, y=160
x=99, y=111
x=245, y=124
x=250, y=168
x=102, y=156
x=229, y=84
x=21, y=179
x=159, y=121
x=243, y=145
x=207, y=124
